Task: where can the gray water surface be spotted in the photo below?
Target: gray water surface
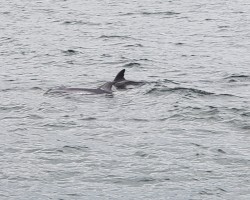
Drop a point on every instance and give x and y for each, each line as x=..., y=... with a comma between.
x=185, y=134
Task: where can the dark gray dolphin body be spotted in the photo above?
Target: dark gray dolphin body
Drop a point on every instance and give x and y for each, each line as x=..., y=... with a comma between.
x=121, y=82
x=104, y=89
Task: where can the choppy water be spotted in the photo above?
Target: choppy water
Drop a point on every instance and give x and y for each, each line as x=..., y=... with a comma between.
x=185, y=134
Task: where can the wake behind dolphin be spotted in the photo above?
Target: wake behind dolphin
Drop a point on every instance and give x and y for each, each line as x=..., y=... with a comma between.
x=121, y=82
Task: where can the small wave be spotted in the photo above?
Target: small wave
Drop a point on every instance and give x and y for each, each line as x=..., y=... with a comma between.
x=10, y=80
x=246, y=127
x=181, y=90
x=198, y=145
x=227, y=95
x=141, y=154
x=80, y=22
x=6, y=12
x=209, y=192
x=114, y=37
x=126, y=59
x=246, y=114
x=70, y=52
x=10, y=117
x=7, y=89
x=88, y=119
x=187, y=91
x=64, y=149
x=139, y=180
x=36, y=88
x=78, y=148
x=238, y=78
x=134, y=45
x=169, y=81
x=164, y=13
x=60, y=126
x=145, y=59
x=132, y=64
x=10, y=108
x=154, y=90
x=6, y=39
x=160, y=13
x=224, y=26
x=139, y=120
x=34, y=116
x=106, y=55
x=221, y=151
x=179, y=43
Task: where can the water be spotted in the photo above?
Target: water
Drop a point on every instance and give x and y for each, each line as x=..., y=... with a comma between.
x=185, y=134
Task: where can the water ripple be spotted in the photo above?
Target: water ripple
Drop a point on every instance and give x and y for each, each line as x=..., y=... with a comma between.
x=183, y=134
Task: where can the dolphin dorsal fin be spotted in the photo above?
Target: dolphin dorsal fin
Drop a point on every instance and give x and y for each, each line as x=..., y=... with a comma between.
x=120, y=76
x=107, y=86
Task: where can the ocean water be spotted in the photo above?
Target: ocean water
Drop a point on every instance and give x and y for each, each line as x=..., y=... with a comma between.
x=183, y=135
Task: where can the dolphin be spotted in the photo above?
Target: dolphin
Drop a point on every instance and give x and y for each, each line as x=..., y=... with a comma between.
x=121, y=83
x=103, y=89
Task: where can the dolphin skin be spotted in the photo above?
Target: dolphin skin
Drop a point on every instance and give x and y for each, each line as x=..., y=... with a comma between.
x=121, y=83
x=104, y=89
